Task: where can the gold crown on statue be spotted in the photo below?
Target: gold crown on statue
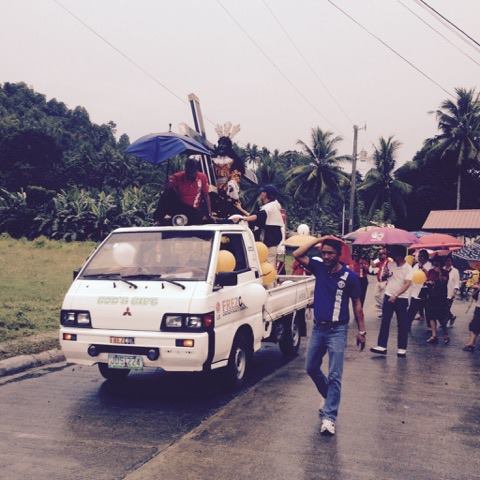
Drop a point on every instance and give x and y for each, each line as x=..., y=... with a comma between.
x=227, y=130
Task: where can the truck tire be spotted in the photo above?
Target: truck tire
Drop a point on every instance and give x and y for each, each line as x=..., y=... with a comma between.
x=289, y=342
x=238, y=362
x=113, y=374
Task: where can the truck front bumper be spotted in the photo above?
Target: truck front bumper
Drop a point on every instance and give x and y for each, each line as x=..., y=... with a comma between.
x=171, y=358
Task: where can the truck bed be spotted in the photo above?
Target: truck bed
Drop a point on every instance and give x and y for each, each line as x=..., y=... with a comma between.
x=292, y=293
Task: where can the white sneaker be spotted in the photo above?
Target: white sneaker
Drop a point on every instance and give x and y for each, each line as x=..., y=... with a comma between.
x=379, y=350
x=328, y=427
x=401, y=353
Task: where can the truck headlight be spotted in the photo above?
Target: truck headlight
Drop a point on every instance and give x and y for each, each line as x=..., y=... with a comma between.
x=173, y=321
x=75, y=318
x=83, y=319
x=194, y=321
x=184, y=322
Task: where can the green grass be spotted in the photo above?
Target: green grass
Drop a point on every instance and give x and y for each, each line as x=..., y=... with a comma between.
x=34, y=277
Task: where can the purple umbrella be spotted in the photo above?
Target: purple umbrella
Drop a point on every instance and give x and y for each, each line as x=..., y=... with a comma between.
x=385, y=236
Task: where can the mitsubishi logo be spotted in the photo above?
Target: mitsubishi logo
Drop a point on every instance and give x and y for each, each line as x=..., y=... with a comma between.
x=127, y=312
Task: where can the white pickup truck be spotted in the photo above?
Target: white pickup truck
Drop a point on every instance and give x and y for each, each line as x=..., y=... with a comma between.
x=151, y=297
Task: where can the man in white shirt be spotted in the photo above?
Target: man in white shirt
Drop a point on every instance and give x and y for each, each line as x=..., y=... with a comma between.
x=418, y=290
x=396, y=297
x=270, y=221
x=452, y=287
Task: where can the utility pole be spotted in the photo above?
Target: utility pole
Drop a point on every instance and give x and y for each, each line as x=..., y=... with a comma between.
x=353, y=186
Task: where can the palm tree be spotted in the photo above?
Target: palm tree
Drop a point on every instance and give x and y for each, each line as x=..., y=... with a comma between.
x=380, y=190
x=320, y=176
x=269, y=172
x=459, y=122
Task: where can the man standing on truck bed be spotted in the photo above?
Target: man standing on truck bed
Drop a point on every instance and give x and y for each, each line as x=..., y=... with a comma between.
x=270, y=221
x=335, y=285
x=186, y=194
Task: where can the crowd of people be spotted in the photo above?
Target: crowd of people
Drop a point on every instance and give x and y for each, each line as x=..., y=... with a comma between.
x=400, y=289
x=412, y=288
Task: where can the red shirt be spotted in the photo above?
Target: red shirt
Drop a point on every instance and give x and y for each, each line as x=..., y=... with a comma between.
x=190, y=193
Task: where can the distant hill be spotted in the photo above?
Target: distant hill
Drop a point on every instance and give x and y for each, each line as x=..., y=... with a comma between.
x=46, y=144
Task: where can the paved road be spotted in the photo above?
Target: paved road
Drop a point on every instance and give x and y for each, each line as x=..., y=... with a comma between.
x=414, y=418
x=417, y=418
x=66, y=422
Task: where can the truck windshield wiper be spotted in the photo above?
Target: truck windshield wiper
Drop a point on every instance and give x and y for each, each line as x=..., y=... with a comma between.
x=112, y=276
x=155, y=276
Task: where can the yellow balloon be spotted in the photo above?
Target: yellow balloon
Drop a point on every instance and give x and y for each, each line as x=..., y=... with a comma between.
x=226, y=261
x=419, y=277
x=262, y=251
x=410, y=259
x=269, y=274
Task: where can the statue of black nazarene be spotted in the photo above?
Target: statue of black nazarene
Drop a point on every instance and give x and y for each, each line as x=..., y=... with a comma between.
x=229, y=168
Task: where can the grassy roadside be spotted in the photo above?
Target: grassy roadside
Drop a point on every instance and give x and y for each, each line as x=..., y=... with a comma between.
x=34, y=276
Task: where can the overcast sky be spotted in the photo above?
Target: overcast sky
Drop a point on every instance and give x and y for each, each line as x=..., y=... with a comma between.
x=195, y=46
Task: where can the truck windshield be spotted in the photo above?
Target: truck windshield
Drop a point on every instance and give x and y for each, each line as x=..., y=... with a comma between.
x=181, y=255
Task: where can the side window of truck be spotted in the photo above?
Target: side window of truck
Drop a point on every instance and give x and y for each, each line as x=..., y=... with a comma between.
x=233, y=242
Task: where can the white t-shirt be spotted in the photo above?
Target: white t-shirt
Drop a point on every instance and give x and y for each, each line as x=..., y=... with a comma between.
x=398, y=276
x=274, y=215
x=415, y=288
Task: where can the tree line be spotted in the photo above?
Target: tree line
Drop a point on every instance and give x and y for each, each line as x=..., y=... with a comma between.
x=64, y=177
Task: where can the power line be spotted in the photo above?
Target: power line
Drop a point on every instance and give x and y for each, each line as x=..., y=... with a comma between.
x=385, y=44
x=438, y=32
x=307, y=63
x=279, y=70
x=453, y=30
x=450, y=22
x=124, y=55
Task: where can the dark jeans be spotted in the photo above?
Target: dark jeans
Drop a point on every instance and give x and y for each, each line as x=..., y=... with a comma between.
x=449, y=313
x=400, y=307
x=363, y=289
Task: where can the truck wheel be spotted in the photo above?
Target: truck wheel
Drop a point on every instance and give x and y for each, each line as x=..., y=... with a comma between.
x=289, y=342
x=238, y=362
x=113, y=374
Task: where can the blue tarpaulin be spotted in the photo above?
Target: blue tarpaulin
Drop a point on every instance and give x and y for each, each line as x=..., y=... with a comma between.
x=159, y=147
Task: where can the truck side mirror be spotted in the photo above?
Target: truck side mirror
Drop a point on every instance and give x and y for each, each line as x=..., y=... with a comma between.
x=226, y=279
x=75, y=273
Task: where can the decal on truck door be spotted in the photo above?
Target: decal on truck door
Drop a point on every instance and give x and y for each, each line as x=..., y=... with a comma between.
x=233, y=305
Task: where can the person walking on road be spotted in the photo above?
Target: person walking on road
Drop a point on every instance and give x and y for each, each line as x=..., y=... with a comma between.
x=335, y=285
x=379, y=265
x=437, y=300
x=360, y=266
x=399, y=274
x=418, y=292
x=453, y=286
x=474, y=326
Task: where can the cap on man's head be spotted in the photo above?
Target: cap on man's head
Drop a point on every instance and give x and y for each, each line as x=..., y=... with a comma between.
x=270, y=190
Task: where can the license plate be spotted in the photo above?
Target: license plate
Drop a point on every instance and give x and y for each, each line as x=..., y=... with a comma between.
x=122, y=340
x=132, y=362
